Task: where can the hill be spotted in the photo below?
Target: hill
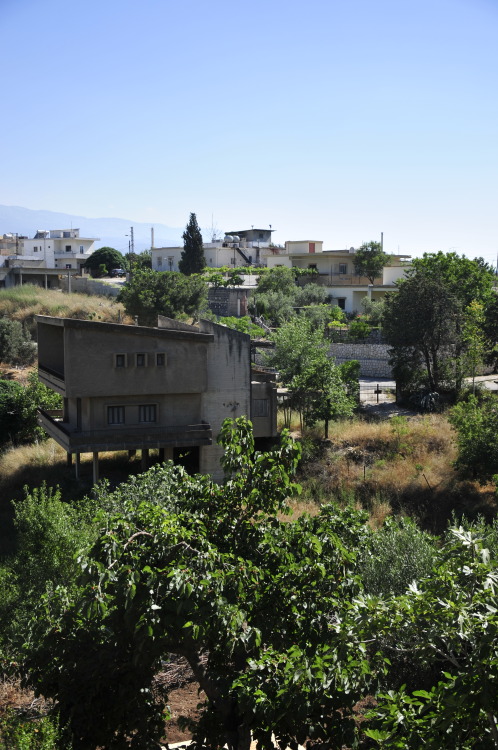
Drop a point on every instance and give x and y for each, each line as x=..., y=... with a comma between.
x=110, y=231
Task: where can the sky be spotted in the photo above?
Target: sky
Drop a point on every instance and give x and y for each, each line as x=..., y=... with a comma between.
x=329, y=120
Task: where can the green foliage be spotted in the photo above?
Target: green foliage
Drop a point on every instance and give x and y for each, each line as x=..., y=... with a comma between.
x=369, y=260
x=16, y=346
x=192, y=259
x=396, y=556
x=276, y=307
x=107, y=257
x=20, y=733
x=477, y=437
x=311, y=294
x=374, y=310
x=138, y=261
x=18, y=409
x=301, y=357
x=253, y=603
x=424, y=322
x=448, y=622
x=49, y=533
x=358, y=329
x=279, y=279
x=151, y=293
x=244, y=325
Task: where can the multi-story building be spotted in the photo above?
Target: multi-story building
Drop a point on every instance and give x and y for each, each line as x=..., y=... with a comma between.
x=336, y=271
x=132, y=387
x=235, y=250
x=59, y=248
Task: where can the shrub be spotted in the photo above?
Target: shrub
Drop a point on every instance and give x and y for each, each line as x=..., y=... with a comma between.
x=16, y=347
x=398, y=554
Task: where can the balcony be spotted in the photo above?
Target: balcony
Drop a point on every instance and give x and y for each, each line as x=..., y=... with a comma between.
x=125, y=437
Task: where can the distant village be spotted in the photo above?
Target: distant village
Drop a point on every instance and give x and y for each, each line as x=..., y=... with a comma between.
x=56, y=258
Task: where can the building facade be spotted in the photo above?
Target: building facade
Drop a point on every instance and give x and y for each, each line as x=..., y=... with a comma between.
x=335, y=269
x=132, y=388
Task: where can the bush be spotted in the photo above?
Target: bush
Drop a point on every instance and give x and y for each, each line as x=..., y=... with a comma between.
x=358, y=329
x=399, y=553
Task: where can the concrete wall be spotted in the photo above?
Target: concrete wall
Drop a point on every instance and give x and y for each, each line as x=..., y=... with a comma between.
x=373, y=358
x=90, y=286
x=229, y=392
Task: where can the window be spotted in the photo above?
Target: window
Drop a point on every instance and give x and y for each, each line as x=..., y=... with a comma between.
x=147, y=413
x=68, y=265
x=159, y=261
x=35, y=249
x=260, y=407
x=68, y=248
x=170, y=263
x=115, y=415
x=160, y=359
x=341, y=302
x=312, y=266
x=141, y=360
x=120, y=360
x=82, y=249
x=343, y=267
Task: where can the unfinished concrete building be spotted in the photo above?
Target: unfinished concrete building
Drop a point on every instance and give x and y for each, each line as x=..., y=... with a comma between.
x=167, y=388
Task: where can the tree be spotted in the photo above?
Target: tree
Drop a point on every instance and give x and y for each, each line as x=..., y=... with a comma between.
x=18, y=409
x=104, y=256
x=138, y=261
x=477, y=430
x=424, y=320
x=301, y=357
x=16, y=346
x=151, y=293
x=255, y=604
x=192, y=259
x=369, y=260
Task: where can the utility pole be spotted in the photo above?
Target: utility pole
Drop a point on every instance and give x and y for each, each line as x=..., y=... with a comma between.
x=132, y=241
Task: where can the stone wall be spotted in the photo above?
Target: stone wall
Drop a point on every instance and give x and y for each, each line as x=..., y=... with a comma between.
x=87, y=285
x=373, y=358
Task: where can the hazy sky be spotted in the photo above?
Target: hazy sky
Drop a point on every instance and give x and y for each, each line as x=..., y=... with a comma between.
x=331, y=120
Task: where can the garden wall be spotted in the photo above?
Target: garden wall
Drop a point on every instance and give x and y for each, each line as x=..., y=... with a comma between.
x=87, y=285
x=373, y=358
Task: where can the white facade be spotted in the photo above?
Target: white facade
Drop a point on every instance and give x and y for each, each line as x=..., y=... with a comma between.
x=336, y=272
x=232, y=251
x=59, y=248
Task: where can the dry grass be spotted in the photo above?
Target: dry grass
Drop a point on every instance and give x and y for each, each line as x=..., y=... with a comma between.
x=24, y=302
x=395, y=466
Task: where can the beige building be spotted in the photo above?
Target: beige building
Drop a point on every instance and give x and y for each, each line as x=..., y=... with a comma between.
x=336, y=271
x=132, y=388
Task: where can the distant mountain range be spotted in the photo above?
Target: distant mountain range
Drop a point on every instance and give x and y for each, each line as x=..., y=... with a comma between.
x=110, y=232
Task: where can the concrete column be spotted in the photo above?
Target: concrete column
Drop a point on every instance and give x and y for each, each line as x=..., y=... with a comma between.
x=132, y=453
x=46, y=281
x=77, y=466
x=69, y=459
x=145, y=459
x=166, y=454
x=95, y=467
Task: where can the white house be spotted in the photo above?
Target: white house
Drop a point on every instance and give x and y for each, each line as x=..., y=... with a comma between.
x=236, y=249
x=59, y=248
x=336, y=271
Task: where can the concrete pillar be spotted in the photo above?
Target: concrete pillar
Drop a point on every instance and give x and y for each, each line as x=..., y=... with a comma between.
x=69, y=459
x=132, y=453
x=166, y=454
x=145, y=459
x=95, y=467
x=77, y=466
x=46, y=281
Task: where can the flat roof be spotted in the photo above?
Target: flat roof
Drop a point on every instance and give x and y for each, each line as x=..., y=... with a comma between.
x=120, y=328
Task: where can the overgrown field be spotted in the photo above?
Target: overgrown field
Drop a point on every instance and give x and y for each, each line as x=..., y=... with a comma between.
x=398, y=466
x=24, y=302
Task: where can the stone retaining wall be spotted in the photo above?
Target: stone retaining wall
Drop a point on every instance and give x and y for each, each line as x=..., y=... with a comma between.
x=373, y=358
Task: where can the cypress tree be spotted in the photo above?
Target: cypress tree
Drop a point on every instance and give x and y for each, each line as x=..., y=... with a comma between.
x=192, y=259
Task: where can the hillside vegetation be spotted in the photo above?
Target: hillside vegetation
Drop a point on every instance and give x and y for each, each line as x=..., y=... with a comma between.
x=22, y=303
